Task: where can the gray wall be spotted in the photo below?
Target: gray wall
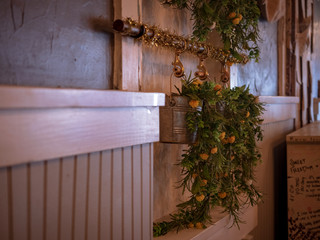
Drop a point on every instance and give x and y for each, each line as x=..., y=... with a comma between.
x=262, y=77
x=316, y=50
x=51, y=43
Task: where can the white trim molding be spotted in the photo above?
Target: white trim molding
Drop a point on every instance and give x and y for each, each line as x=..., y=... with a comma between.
x=42, y=123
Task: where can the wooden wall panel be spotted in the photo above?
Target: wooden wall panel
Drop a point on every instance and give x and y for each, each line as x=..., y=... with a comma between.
x=51, y=209
x=128, y=192
x=274, y=135
x=20, y=201
x=100, y=195
x=66, y=198
x=117, y=215
x=105, y=195
x=80, y=196
x=4, y=205
x=93, y=196
x=136, y=189
x=146, y=193
x=156, y=61
x=36, y=176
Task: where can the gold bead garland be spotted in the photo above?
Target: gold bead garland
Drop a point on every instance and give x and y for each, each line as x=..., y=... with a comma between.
x=155, y=36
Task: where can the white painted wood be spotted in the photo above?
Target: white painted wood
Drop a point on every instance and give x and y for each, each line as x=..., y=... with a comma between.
x=66, y=198
x=127, y=192
x=100, y=195
x=274, y=135
x=36, y=97
x=20, y=202
x=220, y=229
x=151, y=188
x=106, y=195
x=117, y=199
x=44, y=134
x=80, y=197
x=279, y=108
x=4, y=205
x=146, y=194
x=36, y=200
x=93, y=196
x=52, y=182
x=137, y=192
x=279, y=112
x=278, y=99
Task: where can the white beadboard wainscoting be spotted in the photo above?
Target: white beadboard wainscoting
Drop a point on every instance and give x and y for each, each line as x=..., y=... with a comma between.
x=100, y=195
x=76, y=164
x=279, y=119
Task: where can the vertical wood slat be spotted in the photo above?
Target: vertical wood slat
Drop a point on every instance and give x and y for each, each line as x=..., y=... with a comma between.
x=117, y=191
x=105, y=193
x=52, y=179
x=4, y=205
x=93, y=196
x=80, y=197
x=274, y=134
x=137, y=191
x=146, y=205
x=20, y=202
x=101, y=195
x=66, y=198
x=151, y=189
x=36, y=200
x=127, y=192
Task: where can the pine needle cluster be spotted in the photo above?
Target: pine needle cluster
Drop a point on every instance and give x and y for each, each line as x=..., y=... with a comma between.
x=218, y=169
x=236, y=21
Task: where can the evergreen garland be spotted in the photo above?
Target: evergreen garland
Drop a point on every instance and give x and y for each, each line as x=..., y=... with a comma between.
x=236, y=21
x=218, y=170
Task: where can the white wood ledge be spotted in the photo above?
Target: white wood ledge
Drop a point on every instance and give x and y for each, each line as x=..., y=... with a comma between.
x=220, y=229
x=43, y=123
x=36, y=97
x=278, y=108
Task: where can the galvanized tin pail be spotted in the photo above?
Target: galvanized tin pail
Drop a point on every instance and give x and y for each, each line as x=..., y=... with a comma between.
x=173, y=127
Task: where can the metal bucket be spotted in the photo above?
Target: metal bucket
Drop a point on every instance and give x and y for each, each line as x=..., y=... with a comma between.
x=173, y=127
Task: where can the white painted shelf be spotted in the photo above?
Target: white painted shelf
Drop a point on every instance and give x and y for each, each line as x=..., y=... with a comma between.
x=44, y=123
